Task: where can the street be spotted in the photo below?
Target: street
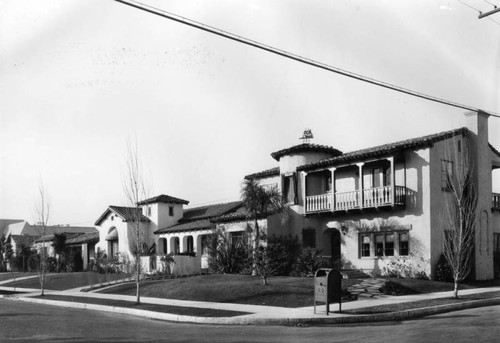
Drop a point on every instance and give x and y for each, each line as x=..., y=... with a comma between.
x=22, y=321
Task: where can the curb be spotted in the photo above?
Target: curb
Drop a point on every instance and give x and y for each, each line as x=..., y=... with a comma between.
x=250, y=320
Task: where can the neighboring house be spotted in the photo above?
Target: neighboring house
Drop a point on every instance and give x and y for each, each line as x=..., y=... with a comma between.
x=366, y=207
x=116, y=228
x=20, y=233
x=166, y=227
x=84, y=246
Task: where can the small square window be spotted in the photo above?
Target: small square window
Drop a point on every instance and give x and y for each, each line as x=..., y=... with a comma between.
x=171, y=211
x=308, y=238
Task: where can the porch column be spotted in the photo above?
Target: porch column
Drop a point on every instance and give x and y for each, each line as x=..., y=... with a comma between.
x=393, y=181
x=85, y=255
x=304, y=190
x=361, y=185
x=332, y=170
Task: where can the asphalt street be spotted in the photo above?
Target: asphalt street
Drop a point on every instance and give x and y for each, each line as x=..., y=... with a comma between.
x=21, y=321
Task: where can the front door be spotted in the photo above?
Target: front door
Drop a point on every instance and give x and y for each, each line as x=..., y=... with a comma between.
x=336, y=253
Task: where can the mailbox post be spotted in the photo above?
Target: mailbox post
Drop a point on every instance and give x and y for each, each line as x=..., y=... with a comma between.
x=328, y=288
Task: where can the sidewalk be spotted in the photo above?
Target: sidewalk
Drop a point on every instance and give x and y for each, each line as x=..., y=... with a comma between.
x=265, y=315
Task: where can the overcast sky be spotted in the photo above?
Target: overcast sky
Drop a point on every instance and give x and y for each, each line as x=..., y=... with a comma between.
x=79, y=77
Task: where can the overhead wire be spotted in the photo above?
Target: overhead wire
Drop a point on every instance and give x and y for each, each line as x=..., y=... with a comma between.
x=283, y=53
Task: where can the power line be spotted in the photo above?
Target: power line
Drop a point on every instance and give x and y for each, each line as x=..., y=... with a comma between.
x=466, y=4
x=490, y=3
x=283, y=53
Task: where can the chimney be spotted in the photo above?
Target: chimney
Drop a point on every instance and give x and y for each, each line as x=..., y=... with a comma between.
x=477, y=123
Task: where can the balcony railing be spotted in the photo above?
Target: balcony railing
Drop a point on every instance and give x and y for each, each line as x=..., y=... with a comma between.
x=496, y=201
x=372, y=197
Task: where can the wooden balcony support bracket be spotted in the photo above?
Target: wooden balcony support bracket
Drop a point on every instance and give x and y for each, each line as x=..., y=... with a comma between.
x=332, y=170
x=361, y=185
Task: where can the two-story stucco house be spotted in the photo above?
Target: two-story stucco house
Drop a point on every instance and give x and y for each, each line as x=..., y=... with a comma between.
x=368, y=206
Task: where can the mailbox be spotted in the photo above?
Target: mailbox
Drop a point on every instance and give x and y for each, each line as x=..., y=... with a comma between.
x=328, y=288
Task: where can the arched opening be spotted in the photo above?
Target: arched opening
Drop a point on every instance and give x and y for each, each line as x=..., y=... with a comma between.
x=174, y=245
x=162, y=246
x=189, y=244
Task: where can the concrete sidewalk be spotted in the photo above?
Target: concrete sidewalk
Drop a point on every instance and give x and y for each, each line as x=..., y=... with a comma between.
x=265, y=315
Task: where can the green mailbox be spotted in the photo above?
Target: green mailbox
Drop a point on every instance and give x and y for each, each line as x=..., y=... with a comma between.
x=328, y=288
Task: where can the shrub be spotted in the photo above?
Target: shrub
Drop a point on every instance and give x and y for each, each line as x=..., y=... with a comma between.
x=443, y=270
x=288, y=248
x=226, y=255
x=393, y=288
x=309, y=262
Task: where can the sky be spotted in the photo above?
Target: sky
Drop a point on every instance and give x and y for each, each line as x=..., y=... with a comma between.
x=80, y=77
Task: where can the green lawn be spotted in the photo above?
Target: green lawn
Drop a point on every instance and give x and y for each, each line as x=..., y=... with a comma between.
x=240, y=289
x=9, y=275
x=422, y=303
x=65, y=281
x=179, y=310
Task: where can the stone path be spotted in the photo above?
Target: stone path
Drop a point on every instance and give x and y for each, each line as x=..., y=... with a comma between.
x=368, y=288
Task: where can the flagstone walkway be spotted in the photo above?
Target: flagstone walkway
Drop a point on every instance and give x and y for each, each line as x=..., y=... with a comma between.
x=368, y=288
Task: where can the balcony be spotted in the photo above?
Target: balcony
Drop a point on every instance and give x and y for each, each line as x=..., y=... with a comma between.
x=496, y=201
x=344, y=201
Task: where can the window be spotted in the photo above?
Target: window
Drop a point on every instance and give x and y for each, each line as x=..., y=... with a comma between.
x=446, y=174
x=289, y=189
x=403, y=244
x=148, y=211
x=365, y=245
x=171, y=211
x=309, y=238
x=237, y=237
x=384, y=244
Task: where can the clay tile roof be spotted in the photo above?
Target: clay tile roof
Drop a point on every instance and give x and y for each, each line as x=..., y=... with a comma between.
x=165, y=199
x=23, y=239
x=306, y=147
x=188, y=226
x=264, y=173
x=201, y=217
x=126, y=213
x=92, y=237
x=209, y=211
x=386, y=149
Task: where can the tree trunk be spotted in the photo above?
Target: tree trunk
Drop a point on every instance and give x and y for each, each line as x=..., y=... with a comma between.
x=455, y=291
x=255, y=245
x=264, y=281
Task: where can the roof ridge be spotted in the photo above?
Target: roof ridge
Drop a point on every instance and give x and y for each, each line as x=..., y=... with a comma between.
x=402, y=144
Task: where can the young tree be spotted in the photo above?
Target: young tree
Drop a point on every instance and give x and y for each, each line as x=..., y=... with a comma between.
x=42, y=211
x=259, y=202
x=269, y=258
x=460, y=215
x=136, y=189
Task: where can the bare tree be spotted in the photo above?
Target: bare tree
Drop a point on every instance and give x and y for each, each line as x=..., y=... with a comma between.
x=460, y=217
x=42, y=211
x=136, y=189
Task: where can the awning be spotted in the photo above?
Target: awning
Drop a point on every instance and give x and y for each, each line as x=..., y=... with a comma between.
x=113, y=235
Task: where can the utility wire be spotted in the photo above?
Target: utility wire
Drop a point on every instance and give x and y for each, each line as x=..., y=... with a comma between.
x=466, y=4
x=490, y=3
x=283, y=53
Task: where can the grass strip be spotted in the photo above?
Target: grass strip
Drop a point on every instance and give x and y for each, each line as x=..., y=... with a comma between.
x=178, y=310
x=421, y=304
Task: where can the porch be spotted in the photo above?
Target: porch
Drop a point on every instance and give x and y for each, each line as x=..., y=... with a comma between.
x=364, y=185
x=367, y=198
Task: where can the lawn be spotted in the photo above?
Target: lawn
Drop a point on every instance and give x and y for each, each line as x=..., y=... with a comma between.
x=63, y=281
x=179, y=310
x=240, y=289
x=9, y=275
x=422, y=303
